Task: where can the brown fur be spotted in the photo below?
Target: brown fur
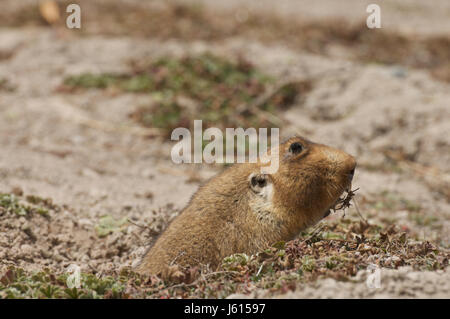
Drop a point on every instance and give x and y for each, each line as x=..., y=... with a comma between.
x=227, y=216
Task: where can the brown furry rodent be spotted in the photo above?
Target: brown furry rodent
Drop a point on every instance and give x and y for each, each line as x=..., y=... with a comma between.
x=242, y=210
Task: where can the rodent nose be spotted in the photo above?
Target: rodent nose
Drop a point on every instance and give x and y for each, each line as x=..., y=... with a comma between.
x=351, y=174
x=351, y=168
x=345, y=163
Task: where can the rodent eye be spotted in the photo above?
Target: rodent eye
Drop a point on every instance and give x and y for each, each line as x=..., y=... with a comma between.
x=295, y=148
x=262, y=182
x=258, y=180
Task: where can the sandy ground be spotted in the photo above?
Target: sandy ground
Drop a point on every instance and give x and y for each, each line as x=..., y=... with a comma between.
x=375, y=112
x=400, y=283
x=410, y=16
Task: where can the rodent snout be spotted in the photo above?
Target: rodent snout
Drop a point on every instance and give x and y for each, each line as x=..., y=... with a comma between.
x=351, y=166
x=351, y=174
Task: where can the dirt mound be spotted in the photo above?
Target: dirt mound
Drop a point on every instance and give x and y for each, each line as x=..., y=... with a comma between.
x=36, y=234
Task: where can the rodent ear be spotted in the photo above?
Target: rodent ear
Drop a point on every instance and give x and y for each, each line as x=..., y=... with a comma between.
x=258, y=182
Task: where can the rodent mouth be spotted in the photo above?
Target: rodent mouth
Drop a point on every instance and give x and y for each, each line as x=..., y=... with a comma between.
x=342, y=202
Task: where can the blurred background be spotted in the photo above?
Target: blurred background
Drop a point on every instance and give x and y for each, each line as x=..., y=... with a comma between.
x=86, y=114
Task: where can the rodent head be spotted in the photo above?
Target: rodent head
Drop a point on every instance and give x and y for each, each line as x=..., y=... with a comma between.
x=310, y=179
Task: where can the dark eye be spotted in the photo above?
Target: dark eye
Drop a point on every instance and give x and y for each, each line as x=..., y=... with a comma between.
x=295, y=148
x=259, y=180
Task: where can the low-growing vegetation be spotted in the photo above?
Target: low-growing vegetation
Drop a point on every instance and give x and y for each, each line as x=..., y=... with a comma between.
x=16, y=283
x=337, y=250
x=9, y=203
x=222, y=93
x=6, y=85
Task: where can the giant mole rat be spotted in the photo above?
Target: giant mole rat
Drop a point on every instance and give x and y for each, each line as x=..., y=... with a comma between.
x=242, y=210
